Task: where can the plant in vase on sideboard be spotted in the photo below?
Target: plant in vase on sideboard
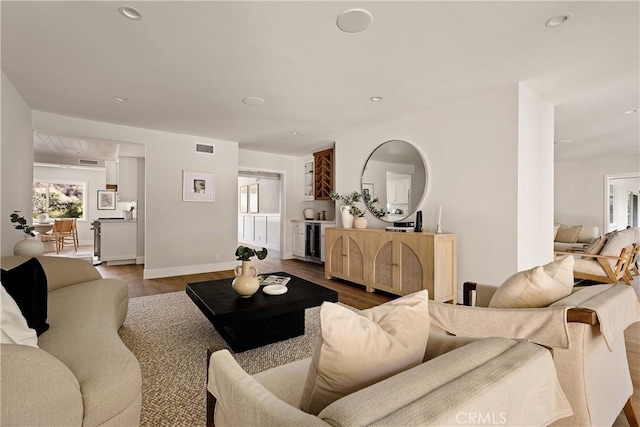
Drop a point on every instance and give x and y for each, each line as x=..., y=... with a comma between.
x=351, y=210
x=30, y=245
x=246, y=282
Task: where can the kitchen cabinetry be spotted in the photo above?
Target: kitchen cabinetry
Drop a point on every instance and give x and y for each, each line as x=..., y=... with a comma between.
x=398, y=191
x=112, y=174
x=399, y=263
x=308, y=180
x=298, y=239
x=118, y=241
x=323, y=174
x=127, y=179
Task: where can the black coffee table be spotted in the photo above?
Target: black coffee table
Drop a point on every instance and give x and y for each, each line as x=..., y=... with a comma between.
x=247, y=323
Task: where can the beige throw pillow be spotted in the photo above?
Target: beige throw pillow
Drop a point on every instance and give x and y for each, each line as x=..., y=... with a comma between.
x=568, y=234
x=537, y=287
x=357, y=349
x=595, y=246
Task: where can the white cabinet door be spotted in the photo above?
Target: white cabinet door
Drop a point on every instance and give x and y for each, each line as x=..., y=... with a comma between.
x=308, y=180
x=118, y=240
x=298, y=238
x=248, y=228
x=112, y=172
x=127, y=178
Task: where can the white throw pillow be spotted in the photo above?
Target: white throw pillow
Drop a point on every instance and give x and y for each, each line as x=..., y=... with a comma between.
x=357, y=349
x=537, y=287
x=13, y=325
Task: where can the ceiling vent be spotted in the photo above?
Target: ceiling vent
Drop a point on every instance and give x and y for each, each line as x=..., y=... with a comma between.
x=205, y=148
x=89, y=162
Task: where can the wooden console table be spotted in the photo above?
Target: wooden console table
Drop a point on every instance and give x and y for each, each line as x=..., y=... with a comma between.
x=398, y=263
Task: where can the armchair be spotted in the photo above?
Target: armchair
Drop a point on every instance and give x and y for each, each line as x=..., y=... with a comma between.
x=584, y=332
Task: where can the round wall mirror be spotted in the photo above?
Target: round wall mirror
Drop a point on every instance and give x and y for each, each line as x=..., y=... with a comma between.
x=396, y=174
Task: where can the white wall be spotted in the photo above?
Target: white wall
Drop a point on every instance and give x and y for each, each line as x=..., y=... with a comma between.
x=94, y=179
x=180, y=237
x=579, y=187
x=16, y=158
x=471, y=149
x=535, y=179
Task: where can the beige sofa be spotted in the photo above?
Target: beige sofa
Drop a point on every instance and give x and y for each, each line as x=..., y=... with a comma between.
x=81, y=374
x=503, y=381
x=584, y=331
x=564, y=239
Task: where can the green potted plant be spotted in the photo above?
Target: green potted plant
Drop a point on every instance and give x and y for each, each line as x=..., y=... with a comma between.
x=29, y=245
x=350, y=209
x=246, y=282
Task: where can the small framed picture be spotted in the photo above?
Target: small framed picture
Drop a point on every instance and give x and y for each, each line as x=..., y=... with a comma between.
x=244, y=200
x=106, y=200
x=367, y=188
x=253, y=198
x=198, y=186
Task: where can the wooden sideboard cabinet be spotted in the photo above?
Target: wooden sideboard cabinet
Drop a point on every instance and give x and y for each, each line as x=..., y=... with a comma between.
x=398, y=263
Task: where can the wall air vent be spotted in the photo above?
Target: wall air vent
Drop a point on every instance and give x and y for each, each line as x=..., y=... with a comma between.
x=205, y=148
x=89, y=162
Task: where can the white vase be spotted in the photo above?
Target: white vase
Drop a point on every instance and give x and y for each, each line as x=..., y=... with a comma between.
x=246, y=282
x=360, y=222
x=29, y=246
x=347, y=218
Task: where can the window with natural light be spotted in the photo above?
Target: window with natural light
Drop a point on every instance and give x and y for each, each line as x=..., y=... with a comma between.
x=59, y=200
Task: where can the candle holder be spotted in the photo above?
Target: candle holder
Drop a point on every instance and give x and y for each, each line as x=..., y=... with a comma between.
x=438, y=229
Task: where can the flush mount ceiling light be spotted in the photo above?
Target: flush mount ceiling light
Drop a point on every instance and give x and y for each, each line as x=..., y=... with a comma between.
x=121, y=98
x=635, y=110
x=354, y=20
x=295, y=133
x=130, y=12
x=253, y=100
x=558, y=20
x=376, y=98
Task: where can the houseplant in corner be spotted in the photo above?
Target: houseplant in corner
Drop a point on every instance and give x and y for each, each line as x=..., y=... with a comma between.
x=29, y=245
x=246, y=282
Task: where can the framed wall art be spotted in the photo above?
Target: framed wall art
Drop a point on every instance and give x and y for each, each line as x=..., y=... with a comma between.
x=198, y=186
x=106, y=200
x=253, y=198
x=367, y=188
x=244, y=199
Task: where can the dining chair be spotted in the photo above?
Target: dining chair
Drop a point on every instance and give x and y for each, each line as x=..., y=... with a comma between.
x=63, y=229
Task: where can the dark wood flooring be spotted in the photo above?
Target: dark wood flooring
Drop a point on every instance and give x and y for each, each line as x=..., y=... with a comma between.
x=348, y=293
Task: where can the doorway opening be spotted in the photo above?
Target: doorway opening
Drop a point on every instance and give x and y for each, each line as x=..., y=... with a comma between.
x=261, y=209
x=621, y=194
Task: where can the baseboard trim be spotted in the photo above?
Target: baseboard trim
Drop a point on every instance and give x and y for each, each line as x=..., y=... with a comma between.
x=157, y=273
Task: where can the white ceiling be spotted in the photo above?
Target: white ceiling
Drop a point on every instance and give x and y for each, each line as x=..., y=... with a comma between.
x=187, y=65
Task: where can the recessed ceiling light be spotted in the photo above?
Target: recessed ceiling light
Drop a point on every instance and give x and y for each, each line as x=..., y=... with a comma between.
x=635, y=110
x=295, y=133
x=376, y=98
x=558, y=20
x=562, y=141
x=253, y=100
x=354, y=20
x=130, y=12
x=121, y=98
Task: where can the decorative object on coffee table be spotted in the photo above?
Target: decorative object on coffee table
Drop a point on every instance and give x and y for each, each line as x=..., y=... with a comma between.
x=246, y=282
x=29, y=245
x=247, y=323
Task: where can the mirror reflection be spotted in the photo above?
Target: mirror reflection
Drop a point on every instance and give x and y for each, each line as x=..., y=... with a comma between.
x=396, y=174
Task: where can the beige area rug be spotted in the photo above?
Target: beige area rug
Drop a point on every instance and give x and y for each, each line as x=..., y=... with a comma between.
x=169, y=336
